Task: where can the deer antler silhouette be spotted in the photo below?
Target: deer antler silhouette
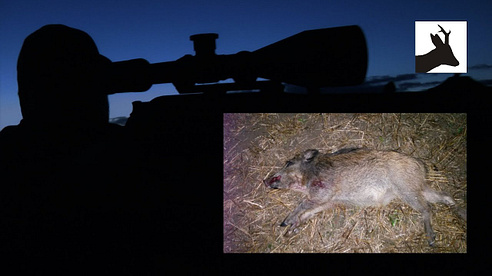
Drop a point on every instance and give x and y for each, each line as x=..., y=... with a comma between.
x=442, y=54
x=446, y=35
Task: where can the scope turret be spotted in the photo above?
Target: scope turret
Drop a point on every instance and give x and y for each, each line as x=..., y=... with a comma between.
x=204, y=44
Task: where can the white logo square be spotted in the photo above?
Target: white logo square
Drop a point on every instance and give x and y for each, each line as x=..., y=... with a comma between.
x=440, y=46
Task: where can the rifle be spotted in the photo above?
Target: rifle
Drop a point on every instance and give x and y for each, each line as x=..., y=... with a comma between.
x=312, y=59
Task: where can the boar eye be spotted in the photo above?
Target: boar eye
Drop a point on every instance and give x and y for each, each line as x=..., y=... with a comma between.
x=289, y=163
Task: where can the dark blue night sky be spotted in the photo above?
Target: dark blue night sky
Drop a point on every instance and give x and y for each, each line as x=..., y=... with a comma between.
x=159, y=31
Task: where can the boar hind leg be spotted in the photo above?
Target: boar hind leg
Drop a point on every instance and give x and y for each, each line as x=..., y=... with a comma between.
x=304, y=211
x=419, y=203
x=431, y=236
x=435, y=197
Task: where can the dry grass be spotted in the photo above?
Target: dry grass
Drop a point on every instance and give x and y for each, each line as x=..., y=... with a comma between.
x=256, y=145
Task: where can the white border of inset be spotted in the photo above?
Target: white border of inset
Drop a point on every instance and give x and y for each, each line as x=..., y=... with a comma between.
x=457, y=41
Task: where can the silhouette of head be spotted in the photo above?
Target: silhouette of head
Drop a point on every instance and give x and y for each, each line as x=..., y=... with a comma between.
x=59, y=74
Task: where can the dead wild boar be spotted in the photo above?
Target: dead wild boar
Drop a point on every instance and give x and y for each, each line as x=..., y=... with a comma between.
x=357, y=177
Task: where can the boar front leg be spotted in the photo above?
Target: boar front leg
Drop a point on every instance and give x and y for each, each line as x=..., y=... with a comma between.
x=304, y=211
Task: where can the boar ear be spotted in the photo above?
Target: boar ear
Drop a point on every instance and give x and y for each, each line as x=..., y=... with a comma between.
x=310, y=154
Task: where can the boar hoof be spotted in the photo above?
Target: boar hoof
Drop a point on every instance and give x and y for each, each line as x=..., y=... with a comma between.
x=432, y=239
x=286, y=222
x=290, y=220
x=291, y=232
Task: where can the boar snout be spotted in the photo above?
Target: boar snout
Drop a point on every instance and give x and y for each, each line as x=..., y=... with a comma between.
x=272, y=182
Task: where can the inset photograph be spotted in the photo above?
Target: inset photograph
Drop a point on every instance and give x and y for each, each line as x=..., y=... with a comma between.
x=345, y=183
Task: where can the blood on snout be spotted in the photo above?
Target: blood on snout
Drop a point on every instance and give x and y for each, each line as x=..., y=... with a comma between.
x=273, y=179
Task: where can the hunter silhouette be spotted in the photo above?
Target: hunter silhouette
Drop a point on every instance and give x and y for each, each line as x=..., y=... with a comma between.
x=63, y=169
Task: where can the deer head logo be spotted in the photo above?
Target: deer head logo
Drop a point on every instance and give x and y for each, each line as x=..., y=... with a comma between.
x=442, y=54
